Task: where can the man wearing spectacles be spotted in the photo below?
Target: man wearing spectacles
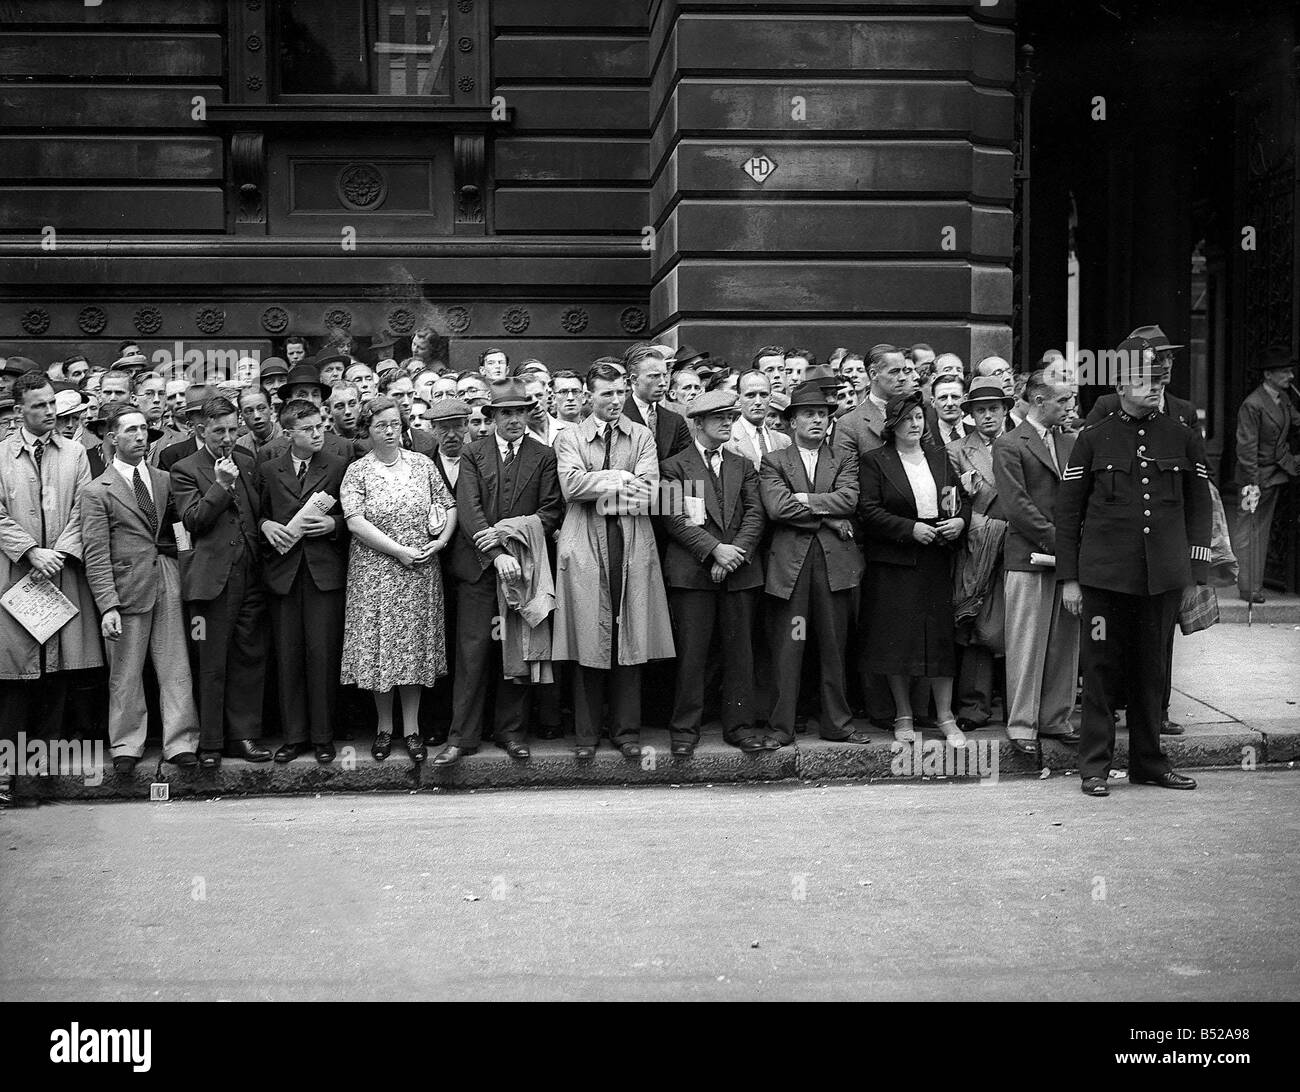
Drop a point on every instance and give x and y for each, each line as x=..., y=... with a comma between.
x=305, y=569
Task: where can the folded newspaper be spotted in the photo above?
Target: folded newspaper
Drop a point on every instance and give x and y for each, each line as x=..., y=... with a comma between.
x=39, y=606
x=319, y=503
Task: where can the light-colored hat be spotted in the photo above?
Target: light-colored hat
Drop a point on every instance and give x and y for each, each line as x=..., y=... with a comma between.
x=714, y=402
x=446, y=409
x=67, y=403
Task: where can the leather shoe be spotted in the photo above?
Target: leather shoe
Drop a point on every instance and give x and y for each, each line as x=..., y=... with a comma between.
x=247, y=749
x=751, y=745
x=518, y=751
x=1025, y=747
x=451, y=754
x=186, y=760
x=1070, y=738
x=324, y=753
x=382, y=747
x=1169, y=728
x=209, y=760
x=683, y=750
x=1170, y=780
x=855, y=737
x=124, y=764
x=968, y=725
x=287, y=752
x=584, y=754
x=630, y=750
x=1095, y=786
x=415, y=747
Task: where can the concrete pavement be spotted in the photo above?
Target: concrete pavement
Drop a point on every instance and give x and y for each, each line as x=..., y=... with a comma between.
x=1236, y=689
x=1022, y=890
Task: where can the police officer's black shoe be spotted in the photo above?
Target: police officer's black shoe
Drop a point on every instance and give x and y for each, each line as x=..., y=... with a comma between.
x=1095, y=786
x=1169, y=728
x=1170, y=780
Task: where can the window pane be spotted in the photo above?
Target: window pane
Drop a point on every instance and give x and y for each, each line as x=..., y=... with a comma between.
x=363, y=47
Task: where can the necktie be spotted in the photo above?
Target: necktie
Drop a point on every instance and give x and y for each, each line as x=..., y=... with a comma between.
x=510, y=453
x=38, y=454
x=145, y=501
x=652, y=418
x=608, y=435
x=763, y=449
x=302, y=472
x=1050, y=440
x=711, y=465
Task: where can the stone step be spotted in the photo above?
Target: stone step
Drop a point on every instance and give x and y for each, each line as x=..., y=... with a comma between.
x=553, y=765
x=1277, y=608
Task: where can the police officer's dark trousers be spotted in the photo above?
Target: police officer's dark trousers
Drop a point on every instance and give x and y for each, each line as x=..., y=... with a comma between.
x=1125, y=642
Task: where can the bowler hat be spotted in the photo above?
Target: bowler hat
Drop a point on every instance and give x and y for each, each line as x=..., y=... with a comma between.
x=1275, y=356
x=1158, y=339
x=446, y=409
x=306, y=374
x=714, y=402
x=809, y=393
x=511, y=394
x=986, y=390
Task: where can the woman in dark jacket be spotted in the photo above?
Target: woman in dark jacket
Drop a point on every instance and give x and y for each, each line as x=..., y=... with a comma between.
x=913, y=515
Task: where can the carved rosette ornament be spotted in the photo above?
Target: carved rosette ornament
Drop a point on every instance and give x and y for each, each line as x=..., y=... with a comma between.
x=92, y=320
x=362, y=186
x=633, y=320
x=338, y=318
x=209, y=320
x=148, y=320
x=36, y=321
x=514, y=320
x=457, y=319
x=574, y=320
x=401, y=320
x=275, y=320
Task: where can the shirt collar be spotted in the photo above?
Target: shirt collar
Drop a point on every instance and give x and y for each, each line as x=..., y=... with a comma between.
x=29, y=441
x=127, y=470
x=504, y=447
x=704, y=451
x=880, y=403
x=594, y=426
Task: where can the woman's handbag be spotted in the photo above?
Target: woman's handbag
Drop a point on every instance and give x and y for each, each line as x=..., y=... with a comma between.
x=1200, y=609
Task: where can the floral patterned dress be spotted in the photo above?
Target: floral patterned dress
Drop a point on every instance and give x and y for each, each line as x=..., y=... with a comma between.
x=393, y=631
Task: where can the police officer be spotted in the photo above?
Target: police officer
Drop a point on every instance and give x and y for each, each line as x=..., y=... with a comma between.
x=1133, y=530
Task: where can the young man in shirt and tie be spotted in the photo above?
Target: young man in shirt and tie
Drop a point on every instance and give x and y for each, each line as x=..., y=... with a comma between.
x=750, y=435
x=130, y=561
x=305, y=575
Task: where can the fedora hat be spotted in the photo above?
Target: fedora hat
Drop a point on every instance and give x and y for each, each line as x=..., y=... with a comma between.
x=1157, y=338
x=714, y=402
x=809, y=393
x=195, y=396
x=824, y=377
x=20, y=365
x=1275, y=356
x=67, y=402
x=306, y=374
x=986, y=390
x=273, y=365
x=510, y=394
x=686, y=355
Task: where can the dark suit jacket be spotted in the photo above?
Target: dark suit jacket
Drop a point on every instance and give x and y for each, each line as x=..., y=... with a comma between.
x=480, y=503
x=210, y=515
x=170, y=456
x=421, y=440
x=887, y=506
x=738, y=521
x=671, y=434
x=1264, y=437
x=442, y=473
x=1179, y=409
x=334, y=445
x=326, y=556
x=833, y=496
x=119, y=548
x=1027, y=488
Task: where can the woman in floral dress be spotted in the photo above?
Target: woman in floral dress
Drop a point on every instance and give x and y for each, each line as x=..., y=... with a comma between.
x=401, y=516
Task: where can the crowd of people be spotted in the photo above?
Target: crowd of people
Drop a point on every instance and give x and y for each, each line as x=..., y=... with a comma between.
x=514, y=552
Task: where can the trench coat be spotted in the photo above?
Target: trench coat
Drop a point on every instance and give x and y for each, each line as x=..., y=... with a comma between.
x=583, y=616
x=65, y=473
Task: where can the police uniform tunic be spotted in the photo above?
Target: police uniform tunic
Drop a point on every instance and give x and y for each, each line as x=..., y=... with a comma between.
x=1133, y=528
